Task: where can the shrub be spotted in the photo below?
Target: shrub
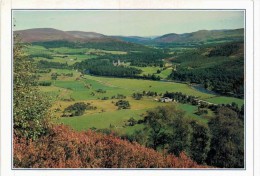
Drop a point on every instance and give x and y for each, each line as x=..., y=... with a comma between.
x=132, y=121
x=123, y=104
x=45, y=83
x=77, y=109
x=65, y=148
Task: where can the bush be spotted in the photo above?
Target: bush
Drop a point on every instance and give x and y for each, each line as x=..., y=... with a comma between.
x=44, y=83
x=77, y=109
x=137, y=96
x=123, y=104
x=132, y=121
x=65, y=148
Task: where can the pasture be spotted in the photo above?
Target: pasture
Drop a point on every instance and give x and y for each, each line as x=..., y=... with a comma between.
x=71, y=86
x=70, y=90
x=226, y=100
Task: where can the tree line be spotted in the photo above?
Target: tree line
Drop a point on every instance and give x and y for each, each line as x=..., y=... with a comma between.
x=213, y=68
x=110, y=46
x=219, y=143
x=105, y=67
x=224, y=79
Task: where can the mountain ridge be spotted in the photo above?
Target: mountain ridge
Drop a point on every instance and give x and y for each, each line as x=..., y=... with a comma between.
x=51, y=34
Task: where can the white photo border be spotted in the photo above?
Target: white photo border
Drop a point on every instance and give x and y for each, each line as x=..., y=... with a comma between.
x=6, y=79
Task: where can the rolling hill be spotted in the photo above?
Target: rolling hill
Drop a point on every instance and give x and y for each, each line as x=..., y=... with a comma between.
x=50, y=34
x=202, y=35
x=52, y=38
x=134, y=39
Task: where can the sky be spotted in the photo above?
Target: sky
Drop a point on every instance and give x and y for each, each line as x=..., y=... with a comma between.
x=129, y=22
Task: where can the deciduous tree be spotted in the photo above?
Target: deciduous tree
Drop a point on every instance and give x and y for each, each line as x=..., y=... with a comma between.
x=30, y=107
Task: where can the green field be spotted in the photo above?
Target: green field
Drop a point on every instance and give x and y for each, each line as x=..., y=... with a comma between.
x=147, y=85
x=114, y=86
x=226, y=100
x=115, y=120
x=153, y=70
x=107, y=114
x=67, y=90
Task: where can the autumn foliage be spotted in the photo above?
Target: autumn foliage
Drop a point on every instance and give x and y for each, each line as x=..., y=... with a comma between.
x=65, y=148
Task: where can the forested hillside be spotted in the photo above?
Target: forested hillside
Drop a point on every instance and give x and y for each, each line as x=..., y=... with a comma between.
x=219, y=68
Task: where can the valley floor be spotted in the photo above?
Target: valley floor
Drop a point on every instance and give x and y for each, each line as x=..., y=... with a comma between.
x=67, y=90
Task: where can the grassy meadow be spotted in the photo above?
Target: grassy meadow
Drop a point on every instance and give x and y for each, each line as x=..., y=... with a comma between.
x=66, y=90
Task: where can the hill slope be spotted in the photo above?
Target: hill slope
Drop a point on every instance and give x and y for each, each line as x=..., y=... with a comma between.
x=53, y=38
x=198, y=36
x=50, y=34
x=202, y=35
x=65, y=148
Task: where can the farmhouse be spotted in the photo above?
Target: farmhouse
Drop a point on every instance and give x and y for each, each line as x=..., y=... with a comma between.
x=165, y=99
x=205, y=102
x=118, y=63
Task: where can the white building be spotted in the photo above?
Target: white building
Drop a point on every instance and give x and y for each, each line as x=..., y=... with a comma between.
x=166, y=99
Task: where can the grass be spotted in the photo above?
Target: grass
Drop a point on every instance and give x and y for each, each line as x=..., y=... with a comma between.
x=71, y=85
x=67, y=90
x=165, y=73
x=116, y=119
x=47, y=76
x=66, y=50
x=35, y=49
x=226, y=100
x=189, y=112
x=147, y=85
x=102, y=52
x=106, y=115
x=77, y=90
x=153, y=70
x=62, y=54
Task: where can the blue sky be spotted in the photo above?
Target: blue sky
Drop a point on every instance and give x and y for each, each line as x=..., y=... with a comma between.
x=129, y=22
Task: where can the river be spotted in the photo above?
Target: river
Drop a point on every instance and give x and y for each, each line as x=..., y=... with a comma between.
x=200, y=88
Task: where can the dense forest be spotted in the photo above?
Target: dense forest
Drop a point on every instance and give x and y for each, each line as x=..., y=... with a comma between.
x=215, y=70
x=104, y=67
x=110, y=46
x=166, y=129
x=142, y=59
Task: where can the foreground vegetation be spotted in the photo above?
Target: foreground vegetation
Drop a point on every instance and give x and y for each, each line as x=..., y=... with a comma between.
x=65, y=148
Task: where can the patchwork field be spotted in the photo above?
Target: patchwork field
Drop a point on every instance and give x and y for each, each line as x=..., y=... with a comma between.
x=69, y=86
x=67, y=90
x=164, y=73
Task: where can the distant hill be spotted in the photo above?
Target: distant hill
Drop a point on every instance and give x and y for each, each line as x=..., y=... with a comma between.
x=202, y=35
x=50, y=34
x=84, y=35
x=134, y=39
x=43, y=34
x=92, y=36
